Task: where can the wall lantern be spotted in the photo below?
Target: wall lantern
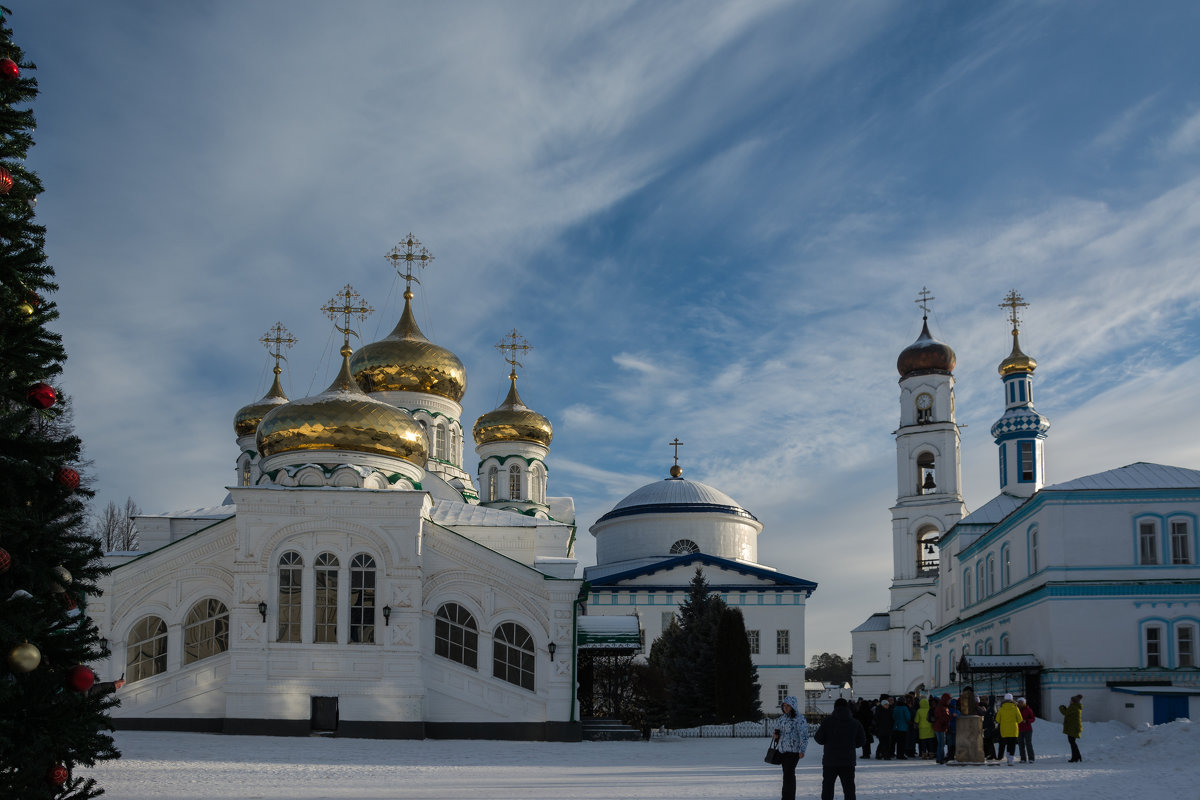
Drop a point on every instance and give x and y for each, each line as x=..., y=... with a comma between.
x=387, y=614
x=262, y=609
x=552, y=647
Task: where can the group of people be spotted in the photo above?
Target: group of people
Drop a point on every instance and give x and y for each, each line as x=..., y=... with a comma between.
x=910, y=726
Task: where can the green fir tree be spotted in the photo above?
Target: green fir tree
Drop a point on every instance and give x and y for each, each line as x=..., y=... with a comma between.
x=737, y=678
x=52, y=722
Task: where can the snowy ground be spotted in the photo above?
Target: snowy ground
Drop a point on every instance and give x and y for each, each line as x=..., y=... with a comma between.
x=1118, y=764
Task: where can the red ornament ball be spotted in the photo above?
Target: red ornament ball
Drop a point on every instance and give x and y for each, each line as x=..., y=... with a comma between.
x=68, y=478
x=80, y=678
x=9, y=69
x=6, y=181
x=57, y=775
x=5, y=561
x=41, y=395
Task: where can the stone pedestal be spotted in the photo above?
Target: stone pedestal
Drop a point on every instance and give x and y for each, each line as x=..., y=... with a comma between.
x=968, y=740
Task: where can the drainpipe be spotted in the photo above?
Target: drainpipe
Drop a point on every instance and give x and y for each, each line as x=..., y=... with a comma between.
x=584, y=589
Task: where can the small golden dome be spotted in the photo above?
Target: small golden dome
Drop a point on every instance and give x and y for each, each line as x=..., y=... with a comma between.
x=1017, y=361
x=245, y=422
x=405, y=361
x=342, y=418
x=513, y=421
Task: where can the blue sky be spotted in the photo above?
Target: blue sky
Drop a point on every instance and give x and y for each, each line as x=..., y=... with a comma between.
x=711, y=221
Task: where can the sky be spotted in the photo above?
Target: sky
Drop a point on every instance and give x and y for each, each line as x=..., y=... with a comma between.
x=1157, y=762
x=710, y=220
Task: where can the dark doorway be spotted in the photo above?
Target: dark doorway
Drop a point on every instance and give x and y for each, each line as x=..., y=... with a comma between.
x=324, y=713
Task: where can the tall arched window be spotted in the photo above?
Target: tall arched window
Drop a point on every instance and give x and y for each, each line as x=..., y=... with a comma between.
x=537, y=483
x=991, y=575
x=325, y=589
x=979, y=583
x=362, y=599
x=205, y=631
x=926, y=482
x=1005, y=566
x=966, y=587
x=916, y=646
x=291, y=570
x=872, y=652
x=514, y=482
x=512, y=655
x=146, y=649
x=456, y=636
x=1004, y=644
x=1034, y=561
x=493, y=487
x=442, y=449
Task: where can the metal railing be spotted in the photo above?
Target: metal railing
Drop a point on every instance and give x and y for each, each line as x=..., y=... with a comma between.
x=738, y=730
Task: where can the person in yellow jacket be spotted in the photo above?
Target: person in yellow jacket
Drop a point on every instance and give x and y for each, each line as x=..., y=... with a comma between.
x=1008, y=720
x=925, y=736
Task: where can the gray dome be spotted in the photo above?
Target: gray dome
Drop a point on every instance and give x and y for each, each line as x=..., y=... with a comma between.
x=676, y=496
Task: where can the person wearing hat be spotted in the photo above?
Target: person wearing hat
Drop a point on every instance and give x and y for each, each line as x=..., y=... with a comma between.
x=840, y=735
x=1008, y=720
x=941, y=725
x=791, y=735
x=1025, y=737
x=1073, y=724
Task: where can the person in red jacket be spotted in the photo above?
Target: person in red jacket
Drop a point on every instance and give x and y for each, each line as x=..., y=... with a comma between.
x=941, y=725
x=1025, y=736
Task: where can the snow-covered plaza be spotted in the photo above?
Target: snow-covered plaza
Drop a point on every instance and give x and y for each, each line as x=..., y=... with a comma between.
x=1119, y=764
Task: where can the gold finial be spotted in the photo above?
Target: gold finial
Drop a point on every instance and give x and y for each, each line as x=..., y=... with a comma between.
x=277, y=338
x=923, y=301
x=1012, y=302
x=346, y=304
x=510, y=345
x=413, y=253
x=676, y=470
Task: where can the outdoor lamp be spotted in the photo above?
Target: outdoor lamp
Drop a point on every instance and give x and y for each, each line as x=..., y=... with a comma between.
x=262, y=609
x=387, y=614
x=552, y=647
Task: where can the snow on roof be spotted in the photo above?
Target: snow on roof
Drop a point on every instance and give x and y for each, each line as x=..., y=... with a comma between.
x=212, y=512
x=993, y=510
x=609, y=632
x=1141, y=475
x=875, y=622
x=978, y=662
x=450, y=514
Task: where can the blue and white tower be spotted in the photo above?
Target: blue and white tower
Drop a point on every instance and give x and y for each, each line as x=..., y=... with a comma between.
x=1020, y=432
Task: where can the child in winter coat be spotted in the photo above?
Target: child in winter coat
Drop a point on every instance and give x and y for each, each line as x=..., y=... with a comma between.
x=1008, y=720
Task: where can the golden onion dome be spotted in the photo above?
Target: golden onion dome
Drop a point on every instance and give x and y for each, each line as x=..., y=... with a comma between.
x=246, y=420
x=405, y=361
x=926, y=355
x=342, y=418
x=1017, y=361
x=513, y=421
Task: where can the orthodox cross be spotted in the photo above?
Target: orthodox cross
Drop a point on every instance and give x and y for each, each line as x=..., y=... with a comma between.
x=1013, y=302
x=275, y=340
x=923, y=301
x=510, y=345
x=676, y=444
x=405, y=256
x=346, y=304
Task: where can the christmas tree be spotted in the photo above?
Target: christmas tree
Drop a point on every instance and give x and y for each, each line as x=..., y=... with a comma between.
x=53, y=718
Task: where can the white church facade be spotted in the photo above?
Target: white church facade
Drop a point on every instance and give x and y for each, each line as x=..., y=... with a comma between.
x=1091, y=586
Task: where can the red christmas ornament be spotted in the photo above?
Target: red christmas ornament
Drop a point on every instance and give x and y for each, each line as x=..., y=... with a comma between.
x=57, y=775
x=6, y=181
x=80, y=678
x=5, y=561
x=9, y=69
x=41, y=395
x=68, y=478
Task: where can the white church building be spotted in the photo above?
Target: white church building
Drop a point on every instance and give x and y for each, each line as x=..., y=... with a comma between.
x=1090, y=586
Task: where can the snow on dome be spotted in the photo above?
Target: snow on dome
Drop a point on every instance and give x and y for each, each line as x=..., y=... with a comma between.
x=675, y=494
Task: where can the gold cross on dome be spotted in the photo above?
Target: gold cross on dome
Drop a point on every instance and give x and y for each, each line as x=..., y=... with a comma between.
x=346, y=304
x=276, y=339
x=676, y=444
x=404, y=256
x=510, y=345
x=1013, y=302
x=923, y=301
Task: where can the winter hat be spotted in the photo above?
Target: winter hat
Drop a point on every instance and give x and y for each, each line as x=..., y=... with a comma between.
x=1076, y=697
x=840, y=703
x=1020, y=699
x=946, y=697
x=1008, y=696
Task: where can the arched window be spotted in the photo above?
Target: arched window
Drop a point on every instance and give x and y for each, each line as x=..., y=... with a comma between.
x=512, y=655
x=325, y=589
x=979, y=648
x=927, y=552
x=537, y=483
x=493, y=487
x=926, y=483
x=872, y=653
x=514, y=482
x=456, y=636
x=916, y=646
x=1033, y=550
x=1004, y=644
x=146, y=649
x=991, y=575
x=966, y=588
x=937, y=670
x=1005, y=566
x=684, y=547
x=989, y=647
x=979, y=583
x=245, y=476
x=442, y=449
x=291, y=570
x=362, y=599
x=205, y=631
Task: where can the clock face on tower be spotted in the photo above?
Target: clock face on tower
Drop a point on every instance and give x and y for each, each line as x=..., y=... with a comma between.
x=924, y=401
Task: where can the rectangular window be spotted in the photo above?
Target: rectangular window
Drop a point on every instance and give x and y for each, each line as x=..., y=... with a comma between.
x=289, y=604
x=1025, y=454
x=325, y=582
x=1185, y=645
x=1148, y=543
x=1181, y=545
x=1153, y=647
x=783, y=645
x=1021, y=390
x=781, y=692
x=752, y=637
x=1003, y=466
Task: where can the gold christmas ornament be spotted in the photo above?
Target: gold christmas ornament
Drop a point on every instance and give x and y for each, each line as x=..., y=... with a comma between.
x=24, y=657
x=26, y=309
x=64, y=580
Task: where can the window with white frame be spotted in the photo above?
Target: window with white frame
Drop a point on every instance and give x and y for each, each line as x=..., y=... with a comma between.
x=1152, y=645
x=537, y=483
x=1005, y=566
x=752, y=638
x=1033, y=551
x=362, y=599
x=1025, y=460
x=514, y=482
x=1181, y=542
x=783, y=643
x=1147, y=542
x=916, y=646
x=291, y=571
x=979, y=585
x=966, y=587
x=991, y=575
x=205, y=631
x=456, y=636
x=512, y=655
x=684, y=547
x=781, y=691
x=442, y=447
x=1185, y=645
x=493, y=487
x=325, y=591
x=872, y=652
x=146, y=649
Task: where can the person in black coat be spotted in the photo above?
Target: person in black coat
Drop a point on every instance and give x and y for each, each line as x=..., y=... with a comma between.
x=866, y=717
x=840, y=735
x=883, y=729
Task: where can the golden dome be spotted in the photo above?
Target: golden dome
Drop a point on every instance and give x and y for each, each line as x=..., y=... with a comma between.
x=1017, y=361
x=342, y=418
x=245, y=422
x=513, y=421
x=405, y=361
